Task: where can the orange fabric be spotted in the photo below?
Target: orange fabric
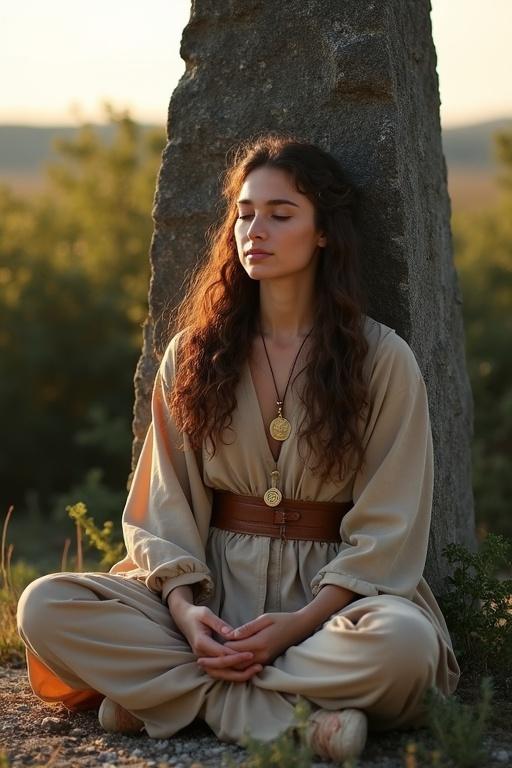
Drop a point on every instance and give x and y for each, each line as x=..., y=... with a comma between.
x=48, y=687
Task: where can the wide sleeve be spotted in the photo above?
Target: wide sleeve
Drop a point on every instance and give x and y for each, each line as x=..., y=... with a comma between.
x=384, y=536
x=167, y=513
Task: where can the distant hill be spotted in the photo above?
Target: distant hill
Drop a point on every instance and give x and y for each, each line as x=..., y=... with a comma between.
x=472, y=164
x=24, y=150
x=471, y=146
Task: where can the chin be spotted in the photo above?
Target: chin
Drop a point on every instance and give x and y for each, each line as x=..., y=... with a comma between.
x=267, y=274
x=257, y=271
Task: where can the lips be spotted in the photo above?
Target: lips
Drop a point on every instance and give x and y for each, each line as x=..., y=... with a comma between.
x=258, y=252
x=254, y=256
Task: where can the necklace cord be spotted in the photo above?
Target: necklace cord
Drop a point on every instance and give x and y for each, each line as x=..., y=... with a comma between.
x=279, y=401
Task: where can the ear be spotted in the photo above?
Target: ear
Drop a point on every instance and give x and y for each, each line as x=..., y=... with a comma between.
x=322, y=241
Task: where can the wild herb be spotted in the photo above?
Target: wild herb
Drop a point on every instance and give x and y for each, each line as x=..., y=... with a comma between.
x=478, y=605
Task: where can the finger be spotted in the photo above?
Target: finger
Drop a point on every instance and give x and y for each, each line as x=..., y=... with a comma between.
x=218, y=625
x=241, y=646
x=246, y=630
x=223, y=662
x=242, y=667
x=233, y=676
x=207, y=646
x=230, y=661
x=237, y=667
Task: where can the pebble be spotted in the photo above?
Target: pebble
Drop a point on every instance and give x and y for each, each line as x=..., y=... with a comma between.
x=501, y=755
x=162, y=744
x=77, y=732
x=136, y=753
x=54, y=725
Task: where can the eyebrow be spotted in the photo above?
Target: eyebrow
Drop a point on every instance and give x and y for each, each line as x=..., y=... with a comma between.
x=276, y=201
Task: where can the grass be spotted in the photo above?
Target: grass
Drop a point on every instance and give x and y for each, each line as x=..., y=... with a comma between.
x=14, y=578
x=11, y=645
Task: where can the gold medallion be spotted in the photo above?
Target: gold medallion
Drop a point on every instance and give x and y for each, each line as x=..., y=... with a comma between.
x=272, y=497
x=280, y=428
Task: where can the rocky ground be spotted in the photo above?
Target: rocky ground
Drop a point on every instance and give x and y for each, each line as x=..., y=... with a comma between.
x=36, y=734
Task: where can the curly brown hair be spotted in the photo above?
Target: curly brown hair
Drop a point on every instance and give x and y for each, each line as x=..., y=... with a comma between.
x=219, y=312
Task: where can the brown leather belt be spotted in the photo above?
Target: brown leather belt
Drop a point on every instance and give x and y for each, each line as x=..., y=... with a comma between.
x=291, y=519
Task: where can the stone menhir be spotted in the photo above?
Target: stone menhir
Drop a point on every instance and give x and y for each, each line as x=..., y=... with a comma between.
x=359, y=79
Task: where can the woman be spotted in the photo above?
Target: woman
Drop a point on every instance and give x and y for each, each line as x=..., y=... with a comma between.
x=278, y=519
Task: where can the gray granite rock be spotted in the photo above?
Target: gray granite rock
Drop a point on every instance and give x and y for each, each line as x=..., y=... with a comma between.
x=359, y=79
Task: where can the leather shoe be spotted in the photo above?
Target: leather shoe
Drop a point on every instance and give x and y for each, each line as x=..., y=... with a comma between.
x=116, y=719
x=337, y=735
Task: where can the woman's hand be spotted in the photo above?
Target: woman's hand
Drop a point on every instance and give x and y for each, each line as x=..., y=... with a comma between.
x=267, y=637
x=198, y=623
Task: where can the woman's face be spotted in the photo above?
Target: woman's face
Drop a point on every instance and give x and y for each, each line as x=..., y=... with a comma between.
x=274, y=217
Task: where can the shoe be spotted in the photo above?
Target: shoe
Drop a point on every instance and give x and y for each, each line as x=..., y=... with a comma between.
x=116, y=719
x=337, y=735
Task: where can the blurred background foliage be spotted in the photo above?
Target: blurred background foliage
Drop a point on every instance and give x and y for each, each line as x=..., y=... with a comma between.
x=483, y=256
x=74, y=275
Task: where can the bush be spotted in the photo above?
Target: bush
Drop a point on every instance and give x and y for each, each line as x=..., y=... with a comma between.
x=478, y=605
x=459, y=728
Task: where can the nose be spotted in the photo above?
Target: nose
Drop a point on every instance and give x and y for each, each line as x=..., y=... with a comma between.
x=256, y=228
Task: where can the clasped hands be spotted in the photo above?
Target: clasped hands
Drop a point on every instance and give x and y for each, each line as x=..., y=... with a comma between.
x=246, y=649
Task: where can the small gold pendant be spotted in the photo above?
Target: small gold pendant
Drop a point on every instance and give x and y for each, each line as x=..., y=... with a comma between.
x=280, y=428
x=273, y=495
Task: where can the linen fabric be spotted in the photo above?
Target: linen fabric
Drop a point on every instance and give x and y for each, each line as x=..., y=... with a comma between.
x=379, y=653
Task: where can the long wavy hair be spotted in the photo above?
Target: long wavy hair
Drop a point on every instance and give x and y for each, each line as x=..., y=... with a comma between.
x=219, y=313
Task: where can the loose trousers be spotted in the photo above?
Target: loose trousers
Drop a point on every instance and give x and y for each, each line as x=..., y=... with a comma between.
x=90, y=635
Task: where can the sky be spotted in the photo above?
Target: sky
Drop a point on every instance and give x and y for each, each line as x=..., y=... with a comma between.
x=60, y=60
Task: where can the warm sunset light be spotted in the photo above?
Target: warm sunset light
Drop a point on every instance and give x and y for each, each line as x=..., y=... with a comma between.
x=256, y=383
x=474, y=59
x=64, y=59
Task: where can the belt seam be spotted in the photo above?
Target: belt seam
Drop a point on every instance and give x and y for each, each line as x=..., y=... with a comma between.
x=249, y=515
x=290, y=537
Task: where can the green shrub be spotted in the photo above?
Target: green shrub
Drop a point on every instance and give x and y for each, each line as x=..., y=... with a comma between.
x=459, y=728
x=478, y=605
x=100, y=539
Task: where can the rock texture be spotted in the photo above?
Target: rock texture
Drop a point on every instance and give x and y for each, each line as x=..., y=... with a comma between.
x=358, y=78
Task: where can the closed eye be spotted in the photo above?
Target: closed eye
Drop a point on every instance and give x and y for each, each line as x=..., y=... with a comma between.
x=274, y=216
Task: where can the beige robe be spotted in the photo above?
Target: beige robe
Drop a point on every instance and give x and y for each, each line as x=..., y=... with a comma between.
x=384, y=537
x=93, y=635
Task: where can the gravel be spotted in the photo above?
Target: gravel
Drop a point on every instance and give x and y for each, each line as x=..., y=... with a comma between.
x=33, y=733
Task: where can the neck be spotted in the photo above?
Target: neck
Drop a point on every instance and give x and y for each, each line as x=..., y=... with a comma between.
x=287, y=310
